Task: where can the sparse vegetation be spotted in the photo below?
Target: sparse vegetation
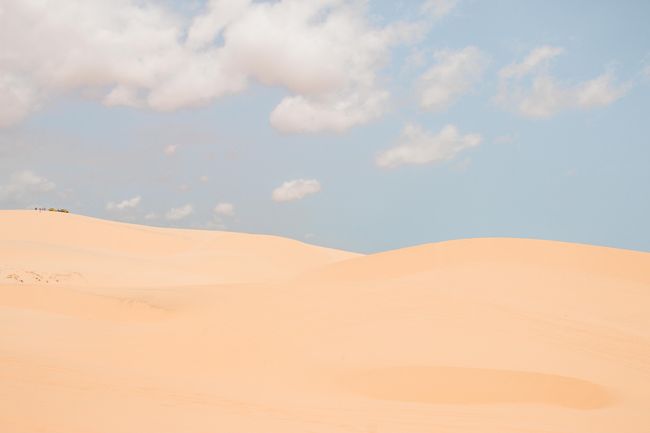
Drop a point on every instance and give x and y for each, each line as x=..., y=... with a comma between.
x=52, y=209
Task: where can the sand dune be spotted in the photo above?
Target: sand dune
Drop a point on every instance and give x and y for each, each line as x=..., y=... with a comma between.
x=51, y=246
x=108, y=328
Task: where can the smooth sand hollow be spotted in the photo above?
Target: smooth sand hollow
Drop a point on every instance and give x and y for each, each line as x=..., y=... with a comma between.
x=108, y=327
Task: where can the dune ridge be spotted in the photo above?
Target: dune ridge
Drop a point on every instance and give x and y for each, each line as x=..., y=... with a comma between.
x=98, y=252
x=121, y=328
x=606, y=261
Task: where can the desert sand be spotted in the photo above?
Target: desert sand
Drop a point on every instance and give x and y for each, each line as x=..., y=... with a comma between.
x=108, y=327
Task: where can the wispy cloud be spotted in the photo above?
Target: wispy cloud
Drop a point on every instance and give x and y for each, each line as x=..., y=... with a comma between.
x=439, y=8
x=221, y=212
x=24, y=185
x=224, y=209
x=544, y=96
x=453, y=74
x=170, y=149
x=179, y=213
x=538, y=57
x=418, y=146
x=295, y=190
x=130, y=203
x=328, y=113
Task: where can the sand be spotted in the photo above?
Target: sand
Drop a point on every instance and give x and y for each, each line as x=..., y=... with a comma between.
x=108, y=327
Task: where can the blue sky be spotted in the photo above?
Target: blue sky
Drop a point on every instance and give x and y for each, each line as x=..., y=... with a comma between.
x=359, y=125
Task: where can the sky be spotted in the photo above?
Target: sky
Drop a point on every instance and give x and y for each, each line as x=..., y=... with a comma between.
x=361, y=125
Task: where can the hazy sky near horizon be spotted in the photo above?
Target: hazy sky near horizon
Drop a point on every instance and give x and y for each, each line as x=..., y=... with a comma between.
x=362, y=125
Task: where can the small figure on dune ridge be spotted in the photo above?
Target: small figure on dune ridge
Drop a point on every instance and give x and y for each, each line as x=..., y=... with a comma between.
x=52, y=209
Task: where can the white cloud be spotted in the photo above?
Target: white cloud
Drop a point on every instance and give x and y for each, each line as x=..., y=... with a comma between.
x=332, y=70
x=224, y=209
x=325, y=52
x=124, y=204
x=439, y=8
x=537, y=58
x=206, y=27
x=599, y=92
x=418, y=146
x=25, y=185
x=454, y=74
x=178, y=213
x=221, y=210
x=295, y=190
x=204, y=178
x=151, y=216
x=543, y=95
x=170, y=149
x=301, y=114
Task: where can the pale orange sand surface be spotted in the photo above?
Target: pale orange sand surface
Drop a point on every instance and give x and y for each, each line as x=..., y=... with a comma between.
x=108, y=327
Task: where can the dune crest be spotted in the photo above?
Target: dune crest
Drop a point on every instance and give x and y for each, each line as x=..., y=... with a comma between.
x=608, y=262
x=90, y=251
x=108, y=327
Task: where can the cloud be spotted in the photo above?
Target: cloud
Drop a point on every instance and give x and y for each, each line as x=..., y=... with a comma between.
x=178, y=213
x=224, y=209
x=439, y=8
x=295, y=190
x=544, y=96
x=599, y=92
x=538, y=57
x=221, y=210
x=453, y=75
x=170, y=149
x=338, y=114
x=332, y=71
x=24, y=185
x=326, y=53
x=418, y=146
x=125, y=204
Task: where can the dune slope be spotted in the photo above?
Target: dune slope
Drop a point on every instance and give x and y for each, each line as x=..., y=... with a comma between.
x=51, y=246
x=109, y=327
